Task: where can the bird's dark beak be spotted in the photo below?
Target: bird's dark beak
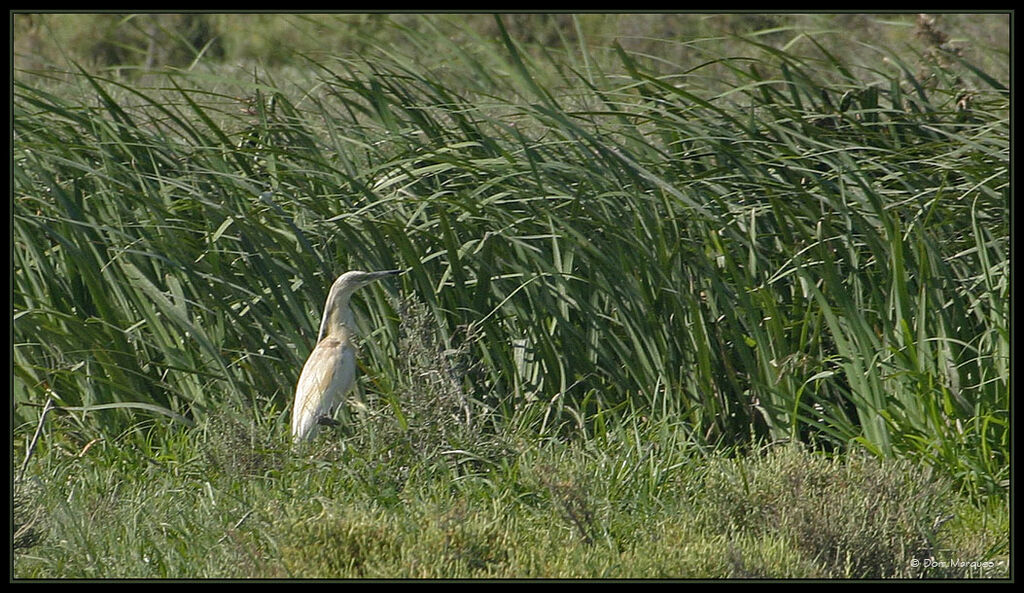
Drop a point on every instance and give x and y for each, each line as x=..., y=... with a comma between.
x=382, y=274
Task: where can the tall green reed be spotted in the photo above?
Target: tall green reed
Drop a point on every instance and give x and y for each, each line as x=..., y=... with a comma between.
x=817, y=252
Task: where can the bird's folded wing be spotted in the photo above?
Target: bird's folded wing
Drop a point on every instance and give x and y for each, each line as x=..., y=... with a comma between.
x=327, y=374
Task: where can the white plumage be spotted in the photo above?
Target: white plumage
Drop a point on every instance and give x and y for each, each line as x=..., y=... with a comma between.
x=330, y=370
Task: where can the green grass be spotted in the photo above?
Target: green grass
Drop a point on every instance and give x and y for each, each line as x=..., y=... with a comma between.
x=641, y=503
x=631, y=263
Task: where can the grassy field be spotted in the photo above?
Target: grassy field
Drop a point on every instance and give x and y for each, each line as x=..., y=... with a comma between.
x=687, y=296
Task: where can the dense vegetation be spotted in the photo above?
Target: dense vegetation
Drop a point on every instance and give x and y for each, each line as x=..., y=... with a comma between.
x=626, y=259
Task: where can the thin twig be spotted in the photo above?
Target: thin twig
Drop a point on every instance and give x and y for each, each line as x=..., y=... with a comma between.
x=244, y=517
x=35, y=438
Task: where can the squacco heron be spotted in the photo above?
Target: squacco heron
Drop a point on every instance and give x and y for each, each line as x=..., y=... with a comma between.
x=330, y=370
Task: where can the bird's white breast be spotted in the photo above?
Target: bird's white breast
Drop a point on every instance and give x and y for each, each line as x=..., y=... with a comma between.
x=326, y=377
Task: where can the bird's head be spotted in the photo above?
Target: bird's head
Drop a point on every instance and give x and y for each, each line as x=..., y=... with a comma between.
x=336, y=311
x=349, y=282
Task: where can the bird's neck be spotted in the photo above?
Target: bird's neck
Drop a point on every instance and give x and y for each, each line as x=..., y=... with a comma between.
x=338, y=320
